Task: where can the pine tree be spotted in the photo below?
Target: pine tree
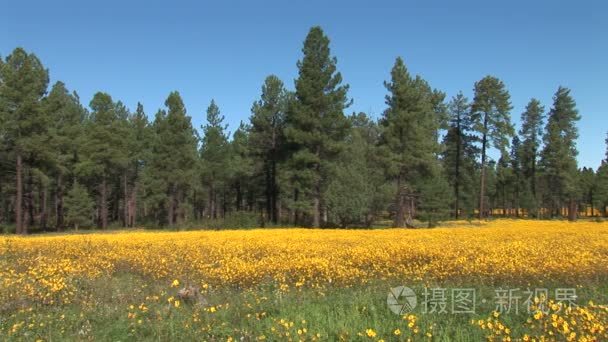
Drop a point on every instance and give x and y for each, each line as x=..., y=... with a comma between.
x=409, y=138
x=531, y=133
x=490, y=112
x=174, y=159
x=241, y=163
x=517, y=181
x=318, y=125
x=140, y=138
x=24, y=83
x=66, y=127
x=4, y=156
x=460, y=154
x=559, y=154
x=215, y=158
x=78, y=206
x=103, y=152
x=267, y=139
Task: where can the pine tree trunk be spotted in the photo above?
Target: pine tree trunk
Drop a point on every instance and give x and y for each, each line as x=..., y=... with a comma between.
x=278, y=210
x=457, y=174
x=239, y=195
x=268, y=190
x=43, y=211
x=572, y=210
x=29, y=202
x=103, y=205
x=59, y=203
x=212, y=214
x=133, y=205
x=125, y=204
x=19, y=196
x=171, y=206
x=482, y=189
x=2, y=211
x=224, y=204
x=533, y=181
x=316, y=205
x=294, y=211
x=275, y=192
x=399, y=210
x=592, y=206
x=504, y=200
x=179, y=213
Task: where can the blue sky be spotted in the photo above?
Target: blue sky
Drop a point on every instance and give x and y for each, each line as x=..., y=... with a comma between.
x=142, y=50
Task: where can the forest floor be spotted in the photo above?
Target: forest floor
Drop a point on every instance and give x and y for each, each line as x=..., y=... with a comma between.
x=512, y=280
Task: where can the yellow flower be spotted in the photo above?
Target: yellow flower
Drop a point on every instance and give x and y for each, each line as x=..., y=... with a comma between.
x=397, y=332
x=370, y=333
x=175, y=283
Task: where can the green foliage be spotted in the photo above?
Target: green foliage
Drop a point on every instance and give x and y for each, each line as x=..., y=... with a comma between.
x=409, y=144
x=102, y=146
x=491, y=118
x=23, y=121
x=79, y=206
x=24, y=83
x=531, y=133
x=434, y=201
x=66, y=116
x=490, y=113
x=558, y=157
x=215, y=156
x=357, y=191
x=172, y=165
x=299, y=159
x=588, y=187
x=602, y=187
x=317, y=125
x=459, y=156
x=267, y=140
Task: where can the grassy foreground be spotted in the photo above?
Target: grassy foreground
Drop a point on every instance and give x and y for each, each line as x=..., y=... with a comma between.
x=304, y=284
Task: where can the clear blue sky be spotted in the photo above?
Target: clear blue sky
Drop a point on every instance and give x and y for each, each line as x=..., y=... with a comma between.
x=142, y=50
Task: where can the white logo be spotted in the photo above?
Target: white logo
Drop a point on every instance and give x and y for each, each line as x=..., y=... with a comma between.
x=401, y=300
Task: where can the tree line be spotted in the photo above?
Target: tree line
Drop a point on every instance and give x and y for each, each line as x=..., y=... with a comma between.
x=298, y=160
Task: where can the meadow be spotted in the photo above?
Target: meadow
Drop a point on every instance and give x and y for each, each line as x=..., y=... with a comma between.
x=309, y=284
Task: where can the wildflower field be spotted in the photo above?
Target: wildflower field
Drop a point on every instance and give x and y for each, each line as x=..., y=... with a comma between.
x=308, y=284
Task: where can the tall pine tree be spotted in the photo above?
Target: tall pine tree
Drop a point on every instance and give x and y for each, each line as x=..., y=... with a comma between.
x=215, y=158
x=460, y=154
x=267, y=139
x=490, y=112
x=409, y=139
x=103, y=150
x=531, y=133
x=24, y=83
x=559, y=154
x=318, y=125
x=67, y=117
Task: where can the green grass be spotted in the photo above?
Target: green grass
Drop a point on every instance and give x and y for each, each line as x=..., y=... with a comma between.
x=101, y=311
